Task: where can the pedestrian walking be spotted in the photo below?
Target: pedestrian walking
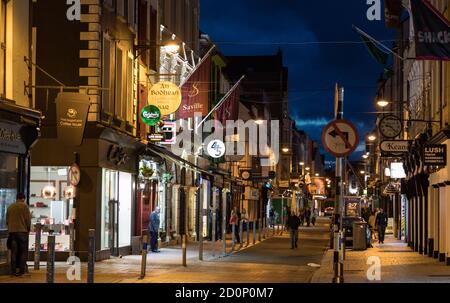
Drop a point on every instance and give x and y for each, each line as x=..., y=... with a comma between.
x=372, y=225
x=18, y=220
x=381, y=222
x=293, y=223
x=234, y=220
x=153, y=228
x=271, y=217
x=308, y=216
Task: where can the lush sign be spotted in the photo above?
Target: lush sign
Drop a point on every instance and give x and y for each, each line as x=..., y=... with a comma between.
x=166, y=96
x=435, y=155
x=151, y=115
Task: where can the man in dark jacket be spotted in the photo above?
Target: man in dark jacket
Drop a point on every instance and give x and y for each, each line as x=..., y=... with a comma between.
x=381, y=222
x=153, y=229
x=293, y=223
x=18, y=219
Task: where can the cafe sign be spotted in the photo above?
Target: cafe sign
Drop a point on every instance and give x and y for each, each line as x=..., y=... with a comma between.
x=395, y=146
x=166, y=96
x=435, y=155
x=71, y=115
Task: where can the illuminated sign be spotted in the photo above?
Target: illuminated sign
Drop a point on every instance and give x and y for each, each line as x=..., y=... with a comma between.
x=151, y=115
x=166, y=96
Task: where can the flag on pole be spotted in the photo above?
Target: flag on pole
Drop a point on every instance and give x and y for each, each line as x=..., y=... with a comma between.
x=376, y=52
x=431, y=32
x=229, y=110
x=195, y=90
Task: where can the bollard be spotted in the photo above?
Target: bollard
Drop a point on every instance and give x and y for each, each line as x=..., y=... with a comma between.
x=51, y=258
x=144, y=257
x=91, y=256
x=247, y=232
x=241, y=234
x=254, y=232
x=233, y=236
x=184, y=249
x=259, y=229
x=37, y=246
x=213, y=233
x=72, y=239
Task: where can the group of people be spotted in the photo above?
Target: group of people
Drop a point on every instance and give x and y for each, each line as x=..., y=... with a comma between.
x=378, y=222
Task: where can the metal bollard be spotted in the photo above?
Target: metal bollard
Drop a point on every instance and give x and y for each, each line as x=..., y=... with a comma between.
x=254, y=232
x=241, y=234
x=247, y=232
x=72, y=239
x=37, y=246
x=51, y=258
x=91, y=256
x=259, y=229
x=144, y=257
x=184, y=249
x=233, y=236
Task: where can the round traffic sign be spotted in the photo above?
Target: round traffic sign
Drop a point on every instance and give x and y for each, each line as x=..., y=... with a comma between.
x=340, y=138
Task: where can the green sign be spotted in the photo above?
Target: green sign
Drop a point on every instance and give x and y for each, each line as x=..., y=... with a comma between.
x=151, y=115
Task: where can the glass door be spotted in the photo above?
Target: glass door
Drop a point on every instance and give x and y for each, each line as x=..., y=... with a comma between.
x=109, y=224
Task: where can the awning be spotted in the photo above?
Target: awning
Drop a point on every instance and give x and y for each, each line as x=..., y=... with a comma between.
x=168, y=155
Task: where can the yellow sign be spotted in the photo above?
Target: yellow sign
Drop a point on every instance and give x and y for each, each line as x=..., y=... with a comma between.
x=166, y=96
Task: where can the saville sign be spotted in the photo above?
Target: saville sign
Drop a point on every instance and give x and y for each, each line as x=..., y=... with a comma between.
x=166, y=96
x=395, y=146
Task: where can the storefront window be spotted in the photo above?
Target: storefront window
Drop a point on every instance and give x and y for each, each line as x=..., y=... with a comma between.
x=49, y=205
x=117, y=197
x=8, y=184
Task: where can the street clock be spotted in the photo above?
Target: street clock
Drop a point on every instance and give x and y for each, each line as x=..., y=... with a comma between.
x=390, y=126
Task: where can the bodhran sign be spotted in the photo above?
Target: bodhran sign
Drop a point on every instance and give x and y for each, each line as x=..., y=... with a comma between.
x=71, y=115
x=166, y=96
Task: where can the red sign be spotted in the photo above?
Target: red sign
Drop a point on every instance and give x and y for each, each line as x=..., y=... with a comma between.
x=340, y=138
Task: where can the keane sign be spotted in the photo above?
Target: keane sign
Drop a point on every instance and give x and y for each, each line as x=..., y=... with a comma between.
x=395, y=146
x=435, y=155
x=166, y=96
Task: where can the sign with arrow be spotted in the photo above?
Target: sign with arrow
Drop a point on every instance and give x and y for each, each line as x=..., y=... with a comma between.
x=340, y=138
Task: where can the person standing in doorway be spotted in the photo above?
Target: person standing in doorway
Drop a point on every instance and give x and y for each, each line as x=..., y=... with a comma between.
x=234, y=221
x=153, y=229
x=381, y=222
x=18, y=220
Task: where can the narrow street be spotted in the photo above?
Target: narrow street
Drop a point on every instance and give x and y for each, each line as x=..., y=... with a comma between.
x=271, y=261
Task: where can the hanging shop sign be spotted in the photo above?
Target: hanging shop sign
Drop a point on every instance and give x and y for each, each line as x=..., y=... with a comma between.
x=150, y=115
x=216, y=149
x=435, y=155
x=395, y=146
x=74, y=174
x=340, y=138
x=71, y=115
x=169, y=130
x=166, y=96
x=246, y=174
x=432, y=35
x=156, y=137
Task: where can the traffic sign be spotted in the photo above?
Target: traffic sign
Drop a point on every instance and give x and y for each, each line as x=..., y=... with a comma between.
x=340, y=138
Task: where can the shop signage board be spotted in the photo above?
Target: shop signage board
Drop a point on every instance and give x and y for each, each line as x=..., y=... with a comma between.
x=150, y=115
x=166, y=96
x=10, y=137
x=169, y=130
x=340, y=138
x=395, y=146
x=435, y=155
x=157, y=137
x=71, y=115
x=216, y=149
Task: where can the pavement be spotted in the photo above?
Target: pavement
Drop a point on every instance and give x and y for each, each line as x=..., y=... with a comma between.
x=269, y=261
x=398, y=264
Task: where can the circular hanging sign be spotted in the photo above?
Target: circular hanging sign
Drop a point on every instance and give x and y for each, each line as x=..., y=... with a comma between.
x=166, y=96
x=151, y=115
x=340, y=138
x=216, y=149
x=74, y=174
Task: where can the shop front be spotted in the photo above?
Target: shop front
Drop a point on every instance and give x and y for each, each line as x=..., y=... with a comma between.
x=18, y=132
x=104, y=197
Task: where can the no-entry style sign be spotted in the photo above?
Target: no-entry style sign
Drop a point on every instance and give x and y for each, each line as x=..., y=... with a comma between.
x=340, y=138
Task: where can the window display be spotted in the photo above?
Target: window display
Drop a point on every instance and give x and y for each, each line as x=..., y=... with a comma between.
x=49, y=206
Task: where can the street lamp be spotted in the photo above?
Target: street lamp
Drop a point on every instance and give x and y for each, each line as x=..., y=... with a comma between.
x=372, y=137
x=285, y=149
x=317, y=174
x=382, y=103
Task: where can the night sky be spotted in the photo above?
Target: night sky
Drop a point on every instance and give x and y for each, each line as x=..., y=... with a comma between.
x=258, y=27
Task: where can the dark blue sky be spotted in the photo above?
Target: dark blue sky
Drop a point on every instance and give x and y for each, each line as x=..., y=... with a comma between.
x=255, y=27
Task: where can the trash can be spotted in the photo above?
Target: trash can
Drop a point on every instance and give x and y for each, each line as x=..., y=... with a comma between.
x=359, y=236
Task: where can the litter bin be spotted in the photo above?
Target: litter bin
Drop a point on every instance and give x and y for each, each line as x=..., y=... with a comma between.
x=359, y=236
